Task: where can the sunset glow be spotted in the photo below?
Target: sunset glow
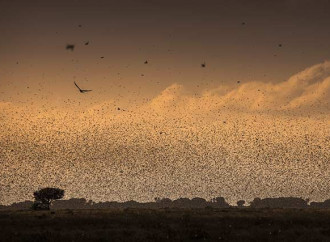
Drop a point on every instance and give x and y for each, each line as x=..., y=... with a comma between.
x=254, y=122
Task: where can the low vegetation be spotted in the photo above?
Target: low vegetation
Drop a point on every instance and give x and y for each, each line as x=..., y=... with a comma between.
x=227, y=224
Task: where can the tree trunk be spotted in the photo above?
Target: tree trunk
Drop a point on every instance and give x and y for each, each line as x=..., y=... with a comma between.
x=48, y=204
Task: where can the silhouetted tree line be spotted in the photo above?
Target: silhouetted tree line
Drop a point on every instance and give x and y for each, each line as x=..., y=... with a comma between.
x=47, y=197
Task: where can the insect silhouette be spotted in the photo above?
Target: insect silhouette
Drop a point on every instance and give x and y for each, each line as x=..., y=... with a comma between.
x=70, y=47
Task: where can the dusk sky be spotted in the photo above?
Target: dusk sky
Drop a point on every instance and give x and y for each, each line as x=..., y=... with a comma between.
x=254, y=122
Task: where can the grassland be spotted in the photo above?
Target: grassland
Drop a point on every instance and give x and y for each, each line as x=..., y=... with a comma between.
x=208, y=224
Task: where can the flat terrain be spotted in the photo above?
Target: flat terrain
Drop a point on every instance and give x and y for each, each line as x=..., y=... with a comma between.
x=208, y=224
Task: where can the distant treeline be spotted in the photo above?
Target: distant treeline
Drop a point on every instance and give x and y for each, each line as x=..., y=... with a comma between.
x=219, y=202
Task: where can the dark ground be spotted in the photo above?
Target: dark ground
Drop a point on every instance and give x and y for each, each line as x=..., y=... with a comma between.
x=208, y=224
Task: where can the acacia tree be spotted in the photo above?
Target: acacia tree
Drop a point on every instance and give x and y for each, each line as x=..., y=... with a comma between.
x=45, y=196
x=240, y=203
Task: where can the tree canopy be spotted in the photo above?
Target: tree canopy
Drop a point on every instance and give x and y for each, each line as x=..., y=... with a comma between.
x=45, y=196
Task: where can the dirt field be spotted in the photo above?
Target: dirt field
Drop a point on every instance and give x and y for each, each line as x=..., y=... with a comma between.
x=166, y=225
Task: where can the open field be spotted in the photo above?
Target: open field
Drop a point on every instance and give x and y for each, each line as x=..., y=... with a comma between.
x=208, y=224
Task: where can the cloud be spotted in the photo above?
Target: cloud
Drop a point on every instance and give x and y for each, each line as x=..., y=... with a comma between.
x=169, y=97
x=315, y=96
x=304, y=94
x=307, y=91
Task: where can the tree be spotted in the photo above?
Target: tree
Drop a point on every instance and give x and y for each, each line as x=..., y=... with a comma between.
x=255, y=203
x=220, y=202
x=240, y=203
x=45, y=196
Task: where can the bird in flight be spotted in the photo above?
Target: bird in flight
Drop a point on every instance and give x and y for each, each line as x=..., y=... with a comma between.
x=81, y=90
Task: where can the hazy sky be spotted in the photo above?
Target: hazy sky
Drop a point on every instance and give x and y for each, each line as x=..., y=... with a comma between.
x=253, y=122
x=174, y=36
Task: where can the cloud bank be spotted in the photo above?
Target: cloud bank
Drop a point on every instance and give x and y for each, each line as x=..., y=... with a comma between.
x=304, y=93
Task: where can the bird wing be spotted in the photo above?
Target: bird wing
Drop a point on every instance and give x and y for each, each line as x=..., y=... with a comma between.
x=77, y=86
